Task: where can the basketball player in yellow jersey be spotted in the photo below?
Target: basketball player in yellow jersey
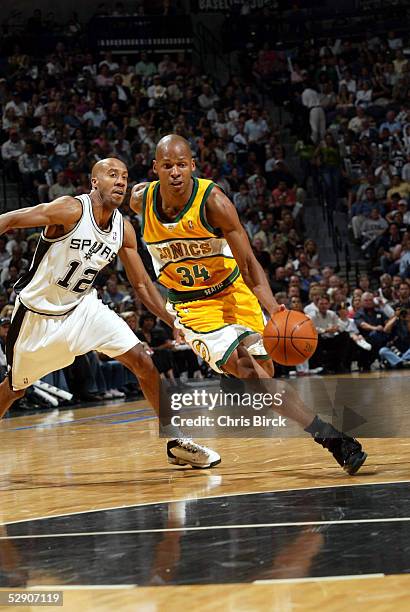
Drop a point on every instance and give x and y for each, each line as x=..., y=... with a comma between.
x=202, y=255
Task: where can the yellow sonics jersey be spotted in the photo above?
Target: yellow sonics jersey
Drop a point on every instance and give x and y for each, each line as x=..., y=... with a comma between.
x=191, y=258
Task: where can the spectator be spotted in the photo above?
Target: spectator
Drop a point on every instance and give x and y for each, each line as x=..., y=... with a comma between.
x=344, y=100
x=62, y=187
x=329, y=161
x=145, y=68
x=284, y=196
x=364, y=95
x=256, y=129
x=315, y=293
x=111, y=294
x=29, y=165
x=403, y=297
x=95, y=115
x=43, y=180
x=317, y=117
x=242, y=199
x=166, y=67
x=396, y=353
x=208, y=98
x=157, y=93
x=372, y=228
x=361, y=210
x=161, y=346
x=371, y=321
x=11, y=150
x=398, y=186
x=404, y=259
x=333, y=344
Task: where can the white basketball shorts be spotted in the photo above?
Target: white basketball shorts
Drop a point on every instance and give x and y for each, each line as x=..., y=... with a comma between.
x=39, y=344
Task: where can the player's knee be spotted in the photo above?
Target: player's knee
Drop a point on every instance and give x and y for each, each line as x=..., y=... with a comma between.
x=248, y=372
x=142, y=362
x=241, y=368
x=268, y=367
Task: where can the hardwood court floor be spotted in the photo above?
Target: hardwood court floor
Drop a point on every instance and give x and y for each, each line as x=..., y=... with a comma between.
x=277, y=526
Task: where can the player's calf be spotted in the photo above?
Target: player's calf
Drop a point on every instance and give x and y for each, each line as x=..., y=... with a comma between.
x=8, y=396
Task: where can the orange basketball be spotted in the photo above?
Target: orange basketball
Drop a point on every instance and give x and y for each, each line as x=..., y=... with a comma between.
x=290, y=337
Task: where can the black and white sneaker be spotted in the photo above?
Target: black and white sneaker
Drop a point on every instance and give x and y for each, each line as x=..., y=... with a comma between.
x=347, y=451
x=184, y=451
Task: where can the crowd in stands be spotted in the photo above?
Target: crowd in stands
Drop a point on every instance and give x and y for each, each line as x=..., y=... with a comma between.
x=62, y=113
x=356, y=153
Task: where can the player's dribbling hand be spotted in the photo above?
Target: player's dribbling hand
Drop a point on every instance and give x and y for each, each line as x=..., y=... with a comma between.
x=279, y=308
x=178, y=336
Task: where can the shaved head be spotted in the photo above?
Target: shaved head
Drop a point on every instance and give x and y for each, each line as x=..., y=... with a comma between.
x=103, y=165
x=173, y=144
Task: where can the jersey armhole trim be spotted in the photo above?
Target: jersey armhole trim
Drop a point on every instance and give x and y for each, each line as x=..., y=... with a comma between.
x=144, y=205
x=122, y=232
x=60, y=238
x=202, y=215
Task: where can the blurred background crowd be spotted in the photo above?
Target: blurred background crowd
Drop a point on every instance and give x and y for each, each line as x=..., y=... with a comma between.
x=299, y=122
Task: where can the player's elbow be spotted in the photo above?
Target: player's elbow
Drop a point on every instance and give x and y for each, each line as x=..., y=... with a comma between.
x=136, y=197
x=246, y=274
x=8, y=222
x=250, y=271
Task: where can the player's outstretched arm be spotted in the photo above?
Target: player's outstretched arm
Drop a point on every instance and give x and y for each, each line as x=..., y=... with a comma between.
x=137, y=193
x=221, y=213
x=64, y=211
x=138, y=277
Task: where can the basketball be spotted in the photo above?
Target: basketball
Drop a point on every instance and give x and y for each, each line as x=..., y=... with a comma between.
x=290, y=337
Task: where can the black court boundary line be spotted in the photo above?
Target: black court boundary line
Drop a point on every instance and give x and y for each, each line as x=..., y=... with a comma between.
x=170, y=501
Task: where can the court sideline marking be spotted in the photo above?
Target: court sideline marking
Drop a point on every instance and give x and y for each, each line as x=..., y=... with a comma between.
x=170, y=501
x=90, y=418
x=394, y=519
x=73, y=587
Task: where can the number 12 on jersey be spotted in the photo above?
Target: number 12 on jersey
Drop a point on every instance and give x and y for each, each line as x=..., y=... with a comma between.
x=190, y=274
x=82, y=283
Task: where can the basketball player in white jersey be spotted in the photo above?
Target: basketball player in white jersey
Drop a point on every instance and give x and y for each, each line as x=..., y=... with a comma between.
x=58, y=316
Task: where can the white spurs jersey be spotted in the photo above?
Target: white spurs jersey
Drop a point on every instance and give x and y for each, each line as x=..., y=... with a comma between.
x=63, y=269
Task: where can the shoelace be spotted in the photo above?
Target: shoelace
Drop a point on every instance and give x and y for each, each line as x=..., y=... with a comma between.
x=191, y=446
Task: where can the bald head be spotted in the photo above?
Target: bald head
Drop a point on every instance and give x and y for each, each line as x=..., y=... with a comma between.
x=172, y=145
x=102, y=166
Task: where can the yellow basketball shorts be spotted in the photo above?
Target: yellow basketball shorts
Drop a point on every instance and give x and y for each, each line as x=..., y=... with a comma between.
x=215, y=326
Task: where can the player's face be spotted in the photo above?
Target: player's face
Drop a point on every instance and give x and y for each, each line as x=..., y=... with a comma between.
x=174, y=169
x=112, y=183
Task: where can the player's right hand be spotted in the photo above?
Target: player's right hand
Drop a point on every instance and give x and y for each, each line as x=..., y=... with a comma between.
x=178, y=336
x=280, y=308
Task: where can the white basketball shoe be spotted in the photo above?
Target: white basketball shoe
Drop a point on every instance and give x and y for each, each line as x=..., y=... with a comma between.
x=184, y=451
